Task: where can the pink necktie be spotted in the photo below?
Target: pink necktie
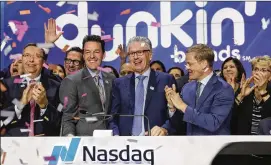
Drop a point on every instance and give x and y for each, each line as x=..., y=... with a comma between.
x=32, y=114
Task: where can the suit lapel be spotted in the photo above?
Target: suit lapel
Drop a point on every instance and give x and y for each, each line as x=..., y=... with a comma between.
x=207, y=89
x=107, y=86
x=151, y=88
x=88, y=80
x=131, y=88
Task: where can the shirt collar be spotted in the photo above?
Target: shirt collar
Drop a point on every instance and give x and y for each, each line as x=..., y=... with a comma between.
x=206, y=79
x=93, y=74
x=146, y=73
x=37, y=79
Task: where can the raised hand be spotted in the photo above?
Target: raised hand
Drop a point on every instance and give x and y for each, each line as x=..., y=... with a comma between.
x=50, y=31
x=122, y=54
x=232, y=82
x=245, y=88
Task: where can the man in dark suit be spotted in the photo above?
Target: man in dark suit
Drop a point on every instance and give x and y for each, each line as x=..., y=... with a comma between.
x=35, y=112
x=182, y=81
x=265, y=126
x=140, y=93
x=206, y=102
x=86, y=92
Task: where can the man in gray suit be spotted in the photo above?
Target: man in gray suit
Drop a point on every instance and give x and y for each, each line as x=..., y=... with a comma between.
x=86, y=92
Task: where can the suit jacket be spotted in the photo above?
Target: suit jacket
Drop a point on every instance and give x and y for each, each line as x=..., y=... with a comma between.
x=50, y=126
x=123, y=102
x=211, y=116
x=244, y=113
x=265, y=126
x=83, y=99
x=182, y=81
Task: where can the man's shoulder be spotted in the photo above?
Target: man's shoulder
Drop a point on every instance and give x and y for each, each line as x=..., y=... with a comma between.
x=76, y=76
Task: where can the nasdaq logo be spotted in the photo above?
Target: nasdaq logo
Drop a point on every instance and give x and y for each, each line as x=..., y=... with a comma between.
x=66, y=155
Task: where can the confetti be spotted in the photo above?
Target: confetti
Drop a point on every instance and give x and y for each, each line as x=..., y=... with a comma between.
x=158, y=147
x=107, y=40
x=125, y=12
x=91, y=119
x=12, y=26
x=27, y=124
x=7, y=50
x=132, y=140
x=14, y=44
x=18, y=80
x=46, y=9
x=40, y=135
x=38, y=120
x=65, y=48
x=46, y=118
x=102, y=32
x=72, y=3
x=45, y=66
x=265, y=23
x=142, y=44
x=105, y=37
x=61, y=3
x=9, y=114
x=45, y=45
x=13, y=122
x=25, y=130
x=70, y=12
x=85, y=94
x=3, y=44
x=59, y=107
x=1, y=123
x=48, y=158
x=4, y=157
x=18, y=28
x=25, y=12
x=108, y=70
x=94, y=16
x=65, y=101
x=25, y=75
x=18, y=103
x=21, y=161
x=156, y=24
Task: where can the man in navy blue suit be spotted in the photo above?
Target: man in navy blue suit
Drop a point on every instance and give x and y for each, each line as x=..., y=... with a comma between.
x=205, y=103
x=140, y=93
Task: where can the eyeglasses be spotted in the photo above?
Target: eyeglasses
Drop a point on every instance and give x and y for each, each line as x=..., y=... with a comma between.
x=75, y=62
x=37, y=56
x=138, y=53
x=264, y=70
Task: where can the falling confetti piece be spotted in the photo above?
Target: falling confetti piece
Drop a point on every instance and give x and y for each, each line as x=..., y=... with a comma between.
x=7, y=50
x=40, y=135
x=72, y=11
x=46, y=9
x=265, y=23
x=65, y=48
x=158, y=147
x=1, y=123
x=105, y=37
x=14, y=44
x=21, y=161
x=25, y=12
x=13, y=122
x=49, y=158
x=4, y=157
x=38, y=120
x=45, y=66
x=25, y=130
x=107, y=40
x=3, y=44
x=142, y=44
x=94, y=16
x=61, y=3
x=65, y=101
x=45, y=45
x=10, y=2
x=132, y=140
x=125, y=12
x=46, y=118
x=85, y=94
x=9, y=114
x=17, y=103
x=59, y=107
x=102, y=32
x=18, y=80
x=25, y=75
x=27, y=124
x=12, y=26
x=156, y=24
x=58, y=28
x=108, y=70
x=15, y=56
x=91, y=119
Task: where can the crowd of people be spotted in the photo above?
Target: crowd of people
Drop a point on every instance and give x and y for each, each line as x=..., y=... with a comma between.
x=142, y=99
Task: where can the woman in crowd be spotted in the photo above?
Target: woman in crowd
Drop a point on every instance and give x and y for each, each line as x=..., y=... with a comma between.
x=232, y=71
x=60, y=71
x=176, y=72
x=158, y=66
x=253, y=103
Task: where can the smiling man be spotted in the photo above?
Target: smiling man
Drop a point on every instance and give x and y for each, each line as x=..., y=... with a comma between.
x=86, y=92
x=140, y=94
x=205, y=103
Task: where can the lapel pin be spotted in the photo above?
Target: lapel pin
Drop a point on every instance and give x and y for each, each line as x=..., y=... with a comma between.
x=152, y=88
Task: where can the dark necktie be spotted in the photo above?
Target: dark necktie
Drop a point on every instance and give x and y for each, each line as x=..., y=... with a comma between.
x=198, y=91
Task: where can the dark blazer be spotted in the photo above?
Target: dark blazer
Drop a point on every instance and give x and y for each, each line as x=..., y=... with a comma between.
x=123, y=102
x=211, y=116
x=83, y=100
x=182, y=81
x=265, y=126
x=245, y=109
x=50, y=126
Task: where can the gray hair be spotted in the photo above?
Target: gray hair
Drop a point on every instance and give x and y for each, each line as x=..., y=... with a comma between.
x=140, y=39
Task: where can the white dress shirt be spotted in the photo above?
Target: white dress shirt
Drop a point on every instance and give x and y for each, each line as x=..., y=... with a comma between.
x=19, y=111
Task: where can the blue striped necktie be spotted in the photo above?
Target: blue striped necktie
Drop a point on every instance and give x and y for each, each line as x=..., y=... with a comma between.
x=139, y=102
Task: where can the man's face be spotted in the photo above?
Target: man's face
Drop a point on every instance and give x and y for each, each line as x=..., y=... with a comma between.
x=73, y=62
x=16, y=67
x=139, y=56
x=264, y=68
x=125, y=69
x=32, y=60
x=93, y=54
x=194, y=67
